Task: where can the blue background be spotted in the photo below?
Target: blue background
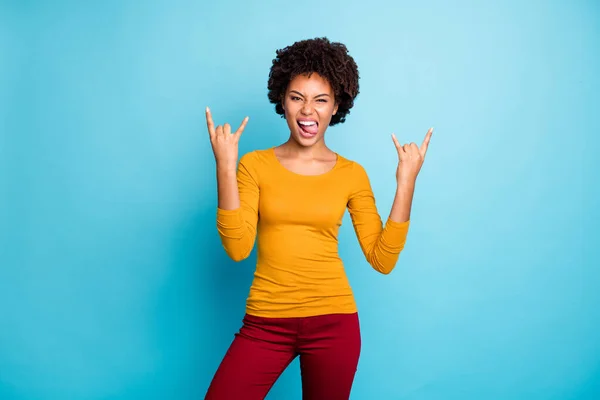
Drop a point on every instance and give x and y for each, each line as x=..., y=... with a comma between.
x=113, y=284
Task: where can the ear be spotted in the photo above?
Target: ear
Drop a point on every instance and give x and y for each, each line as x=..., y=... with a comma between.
x=335, y=108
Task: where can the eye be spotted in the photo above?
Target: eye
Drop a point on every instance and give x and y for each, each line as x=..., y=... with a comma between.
x=295, y=98
x=322, y=101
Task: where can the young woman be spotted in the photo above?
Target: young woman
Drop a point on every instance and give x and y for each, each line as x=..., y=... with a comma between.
x=292, y=199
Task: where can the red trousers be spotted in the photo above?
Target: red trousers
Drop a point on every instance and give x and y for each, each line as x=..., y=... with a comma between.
x=328, y=346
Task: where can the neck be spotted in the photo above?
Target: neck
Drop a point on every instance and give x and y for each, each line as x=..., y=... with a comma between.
x=293, y=147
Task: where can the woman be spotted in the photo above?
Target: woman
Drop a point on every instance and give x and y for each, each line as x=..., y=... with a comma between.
x=292, y=198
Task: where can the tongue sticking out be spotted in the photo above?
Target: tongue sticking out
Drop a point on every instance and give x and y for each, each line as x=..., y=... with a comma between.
x=310, y=129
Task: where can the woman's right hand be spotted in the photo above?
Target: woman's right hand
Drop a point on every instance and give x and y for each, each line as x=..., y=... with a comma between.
x=224, y=143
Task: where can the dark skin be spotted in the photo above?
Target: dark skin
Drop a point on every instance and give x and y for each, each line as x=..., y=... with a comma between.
x=310, y=99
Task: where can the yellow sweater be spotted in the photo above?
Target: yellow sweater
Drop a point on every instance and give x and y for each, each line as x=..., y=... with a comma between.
x=297, y=218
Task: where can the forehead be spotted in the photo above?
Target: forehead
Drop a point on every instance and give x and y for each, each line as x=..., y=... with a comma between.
x=310, y=84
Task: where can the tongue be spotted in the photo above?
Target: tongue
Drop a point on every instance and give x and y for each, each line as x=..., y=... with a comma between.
x=312, y=129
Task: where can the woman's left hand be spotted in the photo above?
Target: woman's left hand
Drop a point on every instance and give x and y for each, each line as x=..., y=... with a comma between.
x=410, y=159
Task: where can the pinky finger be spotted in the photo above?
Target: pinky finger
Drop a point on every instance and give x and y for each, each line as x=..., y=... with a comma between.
x=399, y=148
x=396, y=143
x=242, y=127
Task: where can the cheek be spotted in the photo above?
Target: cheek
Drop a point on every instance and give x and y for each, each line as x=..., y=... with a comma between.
x=324, y=108
x=290, y=108
x=327, y=110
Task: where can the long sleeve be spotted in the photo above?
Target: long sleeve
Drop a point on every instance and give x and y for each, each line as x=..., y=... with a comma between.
x=237, y=228
x=380, y=244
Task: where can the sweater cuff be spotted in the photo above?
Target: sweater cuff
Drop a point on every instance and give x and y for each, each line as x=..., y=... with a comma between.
x=229, y=220
x=396, y=232
x=398, y=225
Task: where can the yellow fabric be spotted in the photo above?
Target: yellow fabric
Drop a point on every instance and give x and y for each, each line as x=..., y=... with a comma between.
x=296, y=219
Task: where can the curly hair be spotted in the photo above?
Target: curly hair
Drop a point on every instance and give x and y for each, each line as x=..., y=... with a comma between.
x=328, y=59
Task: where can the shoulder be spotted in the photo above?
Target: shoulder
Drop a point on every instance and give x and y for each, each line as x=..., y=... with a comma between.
x=354, y=175
x=351, y=167
x=257, y=162
x=256, y=157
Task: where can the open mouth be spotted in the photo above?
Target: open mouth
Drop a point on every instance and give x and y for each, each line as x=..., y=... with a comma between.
x=308, y=128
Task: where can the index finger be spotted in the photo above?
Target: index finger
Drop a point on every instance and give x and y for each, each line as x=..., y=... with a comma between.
x=209, y=123
x=425, y=143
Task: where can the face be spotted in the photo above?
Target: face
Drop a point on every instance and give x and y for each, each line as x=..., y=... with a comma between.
x=309, y=104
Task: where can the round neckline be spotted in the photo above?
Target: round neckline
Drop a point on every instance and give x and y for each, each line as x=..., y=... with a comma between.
x=281, y=166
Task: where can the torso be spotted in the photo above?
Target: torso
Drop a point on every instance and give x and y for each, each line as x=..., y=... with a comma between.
x=301, y=204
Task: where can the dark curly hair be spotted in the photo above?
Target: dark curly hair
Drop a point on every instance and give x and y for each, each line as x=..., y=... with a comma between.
x=328, y=59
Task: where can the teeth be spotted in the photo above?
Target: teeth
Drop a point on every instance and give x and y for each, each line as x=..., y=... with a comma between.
x=307, y=123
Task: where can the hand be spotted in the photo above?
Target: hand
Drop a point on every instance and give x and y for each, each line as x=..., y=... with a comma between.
x=410, y=159
x=224, y=143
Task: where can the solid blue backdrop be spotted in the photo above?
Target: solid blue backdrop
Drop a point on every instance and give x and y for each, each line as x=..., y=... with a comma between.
x=113, y=282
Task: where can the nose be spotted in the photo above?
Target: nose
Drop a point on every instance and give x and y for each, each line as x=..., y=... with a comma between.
x=306, y=109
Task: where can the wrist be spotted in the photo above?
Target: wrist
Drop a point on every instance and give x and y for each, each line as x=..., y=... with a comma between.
x=406, y=183
x=226, y=167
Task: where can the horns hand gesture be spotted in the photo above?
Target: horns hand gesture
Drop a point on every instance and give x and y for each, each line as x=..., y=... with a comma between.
x=410, y=158
x=224, y=142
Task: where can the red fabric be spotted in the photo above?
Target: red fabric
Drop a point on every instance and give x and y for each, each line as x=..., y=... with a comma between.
x=328, y=346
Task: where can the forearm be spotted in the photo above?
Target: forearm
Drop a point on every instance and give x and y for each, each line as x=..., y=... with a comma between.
x=402, y=201
x=385, y=252
x=227, y=188
x=236, y=227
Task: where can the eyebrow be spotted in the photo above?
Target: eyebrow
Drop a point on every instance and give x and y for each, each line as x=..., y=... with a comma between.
x=320, y=95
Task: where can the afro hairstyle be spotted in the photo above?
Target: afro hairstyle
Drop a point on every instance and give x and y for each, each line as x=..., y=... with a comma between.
x=328, y=59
